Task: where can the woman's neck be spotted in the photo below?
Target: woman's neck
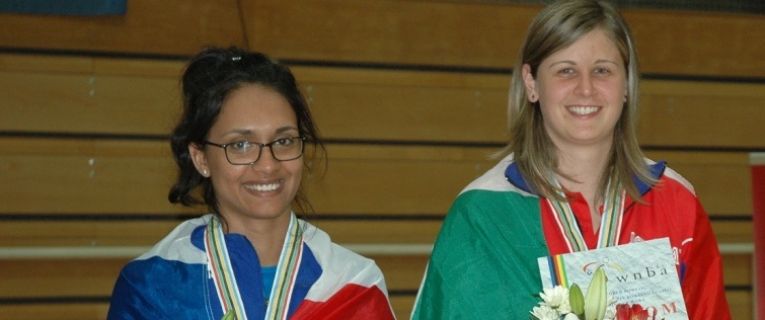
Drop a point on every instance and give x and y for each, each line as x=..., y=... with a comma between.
x=581, y=170
x=583, y=166
x=265, y=235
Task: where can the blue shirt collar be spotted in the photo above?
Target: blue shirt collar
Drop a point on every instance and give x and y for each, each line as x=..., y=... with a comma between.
x=514, y=176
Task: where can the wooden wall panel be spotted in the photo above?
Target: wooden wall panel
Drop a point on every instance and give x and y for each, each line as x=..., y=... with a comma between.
x=144, y=233
x=82, y=103
x=741, y=308
x=89, y=95
x=56, y=311
x=427, y=111
x=467, y=34
x=488, y=35
x=377, y=190
x=110, y=96
x=91, y=177
x=698, y=43
x=409, y=32
x=133, y=177
x=733, y=231
x=177, y=27
x=402, y=306
x=59, y=278
x=683, y=113
x=741, y=304
x=721, y=179
x=94, y=176
x=83, y=233
x=94, y=278
x=402, y=272
x=738, y=269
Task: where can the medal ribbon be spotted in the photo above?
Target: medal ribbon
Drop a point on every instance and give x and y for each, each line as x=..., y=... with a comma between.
x=610, y=224
x=225, y=281
x=286, y=272
x=221, y=270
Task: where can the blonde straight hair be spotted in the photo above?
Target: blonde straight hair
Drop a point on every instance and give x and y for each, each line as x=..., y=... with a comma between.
x=556, y=27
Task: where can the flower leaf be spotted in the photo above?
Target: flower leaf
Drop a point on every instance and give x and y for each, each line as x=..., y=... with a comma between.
x=576, y=300
x=596, y=300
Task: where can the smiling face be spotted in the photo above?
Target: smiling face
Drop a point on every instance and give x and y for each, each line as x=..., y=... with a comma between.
x=581, y=90
x=265, y=189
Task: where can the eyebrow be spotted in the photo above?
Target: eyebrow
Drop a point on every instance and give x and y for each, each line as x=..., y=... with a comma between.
x=574, y=63
x=248, y=132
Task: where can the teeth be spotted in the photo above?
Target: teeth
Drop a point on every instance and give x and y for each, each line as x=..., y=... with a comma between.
x=263, y=187
x=583, y=110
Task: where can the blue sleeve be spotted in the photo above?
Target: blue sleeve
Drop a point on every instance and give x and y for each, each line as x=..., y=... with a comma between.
x=129, y=300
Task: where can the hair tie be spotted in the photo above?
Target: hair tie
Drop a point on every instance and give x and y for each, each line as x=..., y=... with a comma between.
x=236, y=58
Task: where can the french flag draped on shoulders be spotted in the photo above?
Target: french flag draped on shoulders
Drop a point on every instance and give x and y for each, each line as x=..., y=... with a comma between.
x=173, y=281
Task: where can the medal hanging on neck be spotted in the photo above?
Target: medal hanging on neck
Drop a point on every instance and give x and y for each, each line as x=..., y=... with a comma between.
x=224, y=279
x=610, y=223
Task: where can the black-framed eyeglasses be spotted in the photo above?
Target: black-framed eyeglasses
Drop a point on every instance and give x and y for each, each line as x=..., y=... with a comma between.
x=248, y=152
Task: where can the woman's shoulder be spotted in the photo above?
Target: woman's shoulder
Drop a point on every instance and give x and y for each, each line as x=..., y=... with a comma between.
x=179, y=244
x=329, y=253
x=669, y=177
x=498, y=179
x=339, y=265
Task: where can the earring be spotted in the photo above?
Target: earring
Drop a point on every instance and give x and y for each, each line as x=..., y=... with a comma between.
x=533, y=97
x=205, y=173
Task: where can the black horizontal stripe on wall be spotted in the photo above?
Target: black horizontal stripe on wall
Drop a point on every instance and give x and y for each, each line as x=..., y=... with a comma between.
x=402, y=292
x=330, y=141
x=313, y=216
x=738, y=6
x=182, y=217
x=94, y=53
x=362, y=64
x=687, y=148
x=83, y=135
x=95, y=217
x=730, y=218
x=53, y=300
x=739, y=288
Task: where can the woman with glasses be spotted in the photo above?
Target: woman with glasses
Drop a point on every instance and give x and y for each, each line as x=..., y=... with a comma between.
x=240, y=146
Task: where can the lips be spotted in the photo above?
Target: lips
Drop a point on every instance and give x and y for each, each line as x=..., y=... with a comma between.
x=263, y=187
x=583, y=110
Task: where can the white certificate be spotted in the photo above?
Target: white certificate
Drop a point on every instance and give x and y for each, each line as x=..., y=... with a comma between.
x=638, y=273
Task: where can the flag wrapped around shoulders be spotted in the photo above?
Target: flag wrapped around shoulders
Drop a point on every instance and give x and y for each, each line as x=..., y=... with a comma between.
x=173, y=281
x=483, y=264
x=480, y=268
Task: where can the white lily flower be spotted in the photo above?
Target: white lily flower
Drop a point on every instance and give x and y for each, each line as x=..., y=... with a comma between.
x=544, y=312
x=596, y=299
x=555, y=297
x=570, y=316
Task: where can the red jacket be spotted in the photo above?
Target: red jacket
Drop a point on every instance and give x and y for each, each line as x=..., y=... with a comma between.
x=669, y=209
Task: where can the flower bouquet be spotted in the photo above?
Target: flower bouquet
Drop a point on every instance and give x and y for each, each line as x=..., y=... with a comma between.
x=570, y=304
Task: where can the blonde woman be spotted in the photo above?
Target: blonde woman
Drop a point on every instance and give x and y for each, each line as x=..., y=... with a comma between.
x=573, y=107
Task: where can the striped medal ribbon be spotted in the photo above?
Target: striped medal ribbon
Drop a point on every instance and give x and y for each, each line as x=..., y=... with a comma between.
x=610, y=223
x=225, y=281
x=219, y=265
x=286, y=272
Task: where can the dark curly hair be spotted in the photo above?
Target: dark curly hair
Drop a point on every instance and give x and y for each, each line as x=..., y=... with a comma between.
x=209, y=78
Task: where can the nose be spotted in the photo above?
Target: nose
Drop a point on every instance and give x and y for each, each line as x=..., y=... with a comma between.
x=584, y=87
x=267, y=162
